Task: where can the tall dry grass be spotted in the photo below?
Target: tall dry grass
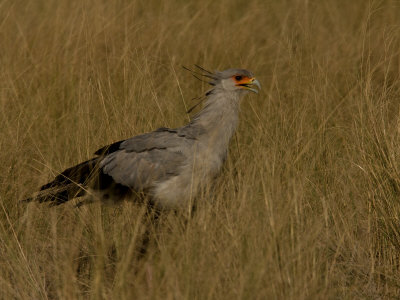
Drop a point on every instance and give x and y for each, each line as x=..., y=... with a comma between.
x=307, y=205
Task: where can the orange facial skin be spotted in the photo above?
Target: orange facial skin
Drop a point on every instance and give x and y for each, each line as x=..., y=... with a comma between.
x=242, y=80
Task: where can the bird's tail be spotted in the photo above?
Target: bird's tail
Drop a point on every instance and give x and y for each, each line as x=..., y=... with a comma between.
x=71, y=183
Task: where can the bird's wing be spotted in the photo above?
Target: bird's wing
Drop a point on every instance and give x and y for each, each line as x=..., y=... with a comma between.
x=160, y=138
x=141, y=161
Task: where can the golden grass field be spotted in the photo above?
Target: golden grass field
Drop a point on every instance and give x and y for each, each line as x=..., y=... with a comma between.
x=307, y=205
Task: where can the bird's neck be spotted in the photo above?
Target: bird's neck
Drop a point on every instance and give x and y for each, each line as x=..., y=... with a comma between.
x=219, y=118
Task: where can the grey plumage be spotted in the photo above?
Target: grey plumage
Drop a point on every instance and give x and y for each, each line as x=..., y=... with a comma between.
x=168, y=165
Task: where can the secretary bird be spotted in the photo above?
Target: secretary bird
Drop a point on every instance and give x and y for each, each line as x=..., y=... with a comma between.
x=169, y=166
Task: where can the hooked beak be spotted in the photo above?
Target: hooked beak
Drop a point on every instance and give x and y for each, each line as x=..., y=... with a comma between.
x=251, y=84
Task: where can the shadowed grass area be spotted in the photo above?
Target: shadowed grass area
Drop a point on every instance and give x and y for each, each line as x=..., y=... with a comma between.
x=308, y=203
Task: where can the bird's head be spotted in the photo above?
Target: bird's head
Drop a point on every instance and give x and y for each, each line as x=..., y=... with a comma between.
x=231, y=80
x=235, y=80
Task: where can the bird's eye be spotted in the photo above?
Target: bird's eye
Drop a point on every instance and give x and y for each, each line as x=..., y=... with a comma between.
x=238, y=77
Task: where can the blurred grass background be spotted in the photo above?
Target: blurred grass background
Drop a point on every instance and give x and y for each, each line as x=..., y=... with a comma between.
x=307, y=205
